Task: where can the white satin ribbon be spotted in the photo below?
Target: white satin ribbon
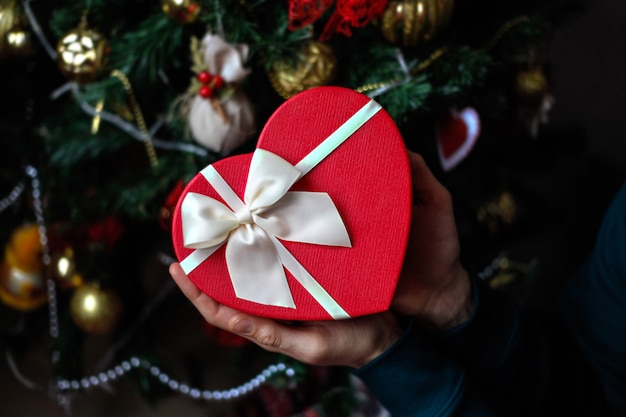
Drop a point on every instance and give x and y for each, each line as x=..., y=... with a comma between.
x=252, y=228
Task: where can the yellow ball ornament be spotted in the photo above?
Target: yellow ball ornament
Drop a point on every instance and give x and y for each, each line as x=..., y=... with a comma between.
x=315, y=65
x=82, y=54
x=181, y=11
x=409, y=23
x=95, y=310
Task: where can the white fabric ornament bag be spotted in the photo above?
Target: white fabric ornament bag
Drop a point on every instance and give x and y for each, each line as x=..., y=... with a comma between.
x=222, y=124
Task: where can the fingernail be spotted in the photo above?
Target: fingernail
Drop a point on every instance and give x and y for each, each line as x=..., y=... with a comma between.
x=243, y=326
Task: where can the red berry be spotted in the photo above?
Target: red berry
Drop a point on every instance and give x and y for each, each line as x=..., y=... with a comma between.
x=205, y=91
x=204, y=77
x=218, y=82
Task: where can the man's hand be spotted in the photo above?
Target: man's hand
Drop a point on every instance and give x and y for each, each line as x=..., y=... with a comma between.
x=433, y=286
x=351, y=342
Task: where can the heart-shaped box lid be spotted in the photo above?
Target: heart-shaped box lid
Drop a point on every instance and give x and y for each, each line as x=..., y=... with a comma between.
x=314, y=224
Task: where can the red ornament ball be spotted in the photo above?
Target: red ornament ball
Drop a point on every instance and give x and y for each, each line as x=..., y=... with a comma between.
x=204, y=77
x=167, y=209
x=205, y=91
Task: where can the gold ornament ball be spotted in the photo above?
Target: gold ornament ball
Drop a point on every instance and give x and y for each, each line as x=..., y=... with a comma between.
x=20, y=289
x=181, y=11
x=315, y=65
x=8, y=17
x=531, y=85
x=409, y=23
x=82, y=54
x=95, y=310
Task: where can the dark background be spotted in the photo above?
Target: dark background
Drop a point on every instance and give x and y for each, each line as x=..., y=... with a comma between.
x=585, y=149
x=589, y=56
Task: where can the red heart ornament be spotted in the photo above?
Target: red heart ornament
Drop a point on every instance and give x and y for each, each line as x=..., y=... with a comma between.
x=456, y=135
x=368, y=179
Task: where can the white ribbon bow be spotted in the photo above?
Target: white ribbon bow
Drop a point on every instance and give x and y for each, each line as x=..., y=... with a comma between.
x=269, y=210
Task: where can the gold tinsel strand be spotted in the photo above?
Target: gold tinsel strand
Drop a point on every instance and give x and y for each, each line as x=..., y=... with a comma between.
x=138, y=116
x=504, y=29
x=421, y=67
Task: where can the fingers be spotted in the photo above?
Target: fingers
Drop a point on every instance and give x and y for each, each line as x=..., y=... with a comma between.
x=419, y=170
x=267, y=333
x=426, y=187
x=351, y=342
x=215, y=313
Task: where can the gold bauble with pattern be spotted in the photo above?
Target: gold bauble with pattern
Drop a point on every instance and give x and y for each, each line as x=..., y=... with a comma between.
x=409, y=23
x=314, y=65
x=95, y=310
x=181, y=11
x=82, y=54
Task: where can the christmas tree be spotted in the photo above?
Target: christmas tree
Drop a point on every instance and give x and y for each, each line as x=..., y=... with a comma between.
x=113, y=106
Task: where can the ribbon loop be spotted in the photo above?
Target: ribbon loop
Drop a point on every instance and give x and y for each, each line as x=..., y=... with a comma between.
x=206, y=221
x=269, y=179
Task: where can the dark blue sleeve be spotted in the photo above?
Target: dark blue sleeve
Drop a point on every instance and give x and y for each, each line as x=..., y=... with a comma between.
x=413, y=379
x=594, y=305
x=523, y=362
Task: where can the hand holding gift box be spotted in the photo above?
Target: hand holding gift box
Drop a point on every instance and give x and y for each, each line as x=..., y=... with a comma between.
x=322, y=227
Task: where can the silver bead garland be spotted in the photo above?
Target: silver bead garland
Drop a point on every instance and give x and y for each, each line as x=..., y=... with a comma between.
x=120, y=370
x=12, y=197
x=45, y=257
x=502, y=262
x=489, y=270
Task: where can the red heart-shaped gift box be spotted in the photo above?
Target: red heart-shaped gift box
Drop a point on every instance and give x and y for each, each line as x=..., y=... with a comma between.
x=367, y=177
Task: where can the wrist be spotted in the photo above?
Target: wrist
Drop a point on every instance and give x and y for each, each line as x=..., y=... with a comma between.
x=387, y=334
x=453, y=306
